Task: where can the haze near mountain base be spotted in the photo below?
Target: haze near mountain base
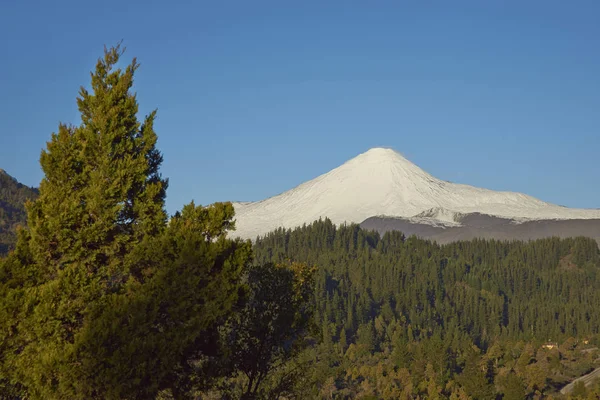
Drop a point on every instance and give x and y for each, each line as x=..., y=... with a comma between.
x=382, y=183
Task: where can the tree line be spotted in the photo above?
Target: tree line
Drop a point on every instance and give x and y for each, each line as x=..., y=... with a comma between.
x=402, y=317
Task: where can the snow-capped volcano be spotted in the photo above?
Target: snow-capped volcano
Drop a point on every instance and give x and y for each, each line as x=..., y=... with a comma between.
x=381, y=182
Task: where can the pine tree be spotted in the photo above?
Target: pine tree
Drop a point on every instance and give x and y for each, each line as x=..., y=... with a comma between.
x=102, y=299
x=102, y=191
x=474, y=380
x=101, y=194
x=343, y=343
x=512, y=387
x=367, y=336
x=327, y=340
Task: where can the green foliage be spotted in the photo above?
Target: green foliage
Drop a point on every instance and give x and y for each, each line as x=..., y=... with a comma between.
x=453, y=321
x=187, y=282
x=511, y=386
x=102, y=298
x=484, y=289
x=474, y=380
x=366, y=336
x=579, y=390
x=270, y=330
x=101, y=195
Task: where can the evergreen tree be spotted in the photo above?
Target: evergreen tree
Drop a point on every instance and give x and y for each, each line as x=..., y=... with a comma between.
x=474, y=380
x=579, y=390
x=101, y=194
x=366, y=336
x=101, y=299
x=271, y=328
x=343, y=342
x=512, y=387
x=431, y=304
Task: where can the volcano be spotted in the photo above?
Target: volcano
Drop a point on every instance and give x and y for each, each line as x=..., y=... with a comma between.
x=384, y=185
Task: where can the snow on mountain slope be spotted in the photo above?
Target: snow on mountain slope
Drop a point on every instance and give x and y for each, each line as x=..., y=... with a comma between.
x=381, y=182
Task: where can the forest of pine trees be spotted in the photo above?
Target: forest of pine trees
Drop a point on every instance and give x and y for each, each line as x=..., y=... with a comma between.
x=400, y=317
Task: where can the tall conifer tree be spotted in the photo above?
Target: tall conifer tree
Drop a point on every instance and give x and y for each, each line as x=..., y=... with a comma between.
x=102, y=298
x=101, y=194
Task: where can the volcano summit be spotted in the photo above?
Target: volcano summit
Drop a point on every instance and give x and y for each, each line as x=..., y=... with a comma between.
x=383, y=184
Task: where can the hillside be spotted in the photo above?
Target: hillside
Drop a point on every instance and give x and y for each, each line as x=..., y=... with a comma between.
x=381, y=182
x=403, y=317
x=13, y=196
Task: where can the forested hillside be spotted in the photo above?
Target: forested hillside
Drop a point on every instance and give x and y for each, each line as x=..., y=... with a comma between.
x=13, y=196
x=405, y=315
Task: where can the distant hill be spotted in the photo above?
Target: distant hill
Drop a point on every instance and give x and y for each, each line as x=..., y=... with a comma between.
x=13, y=196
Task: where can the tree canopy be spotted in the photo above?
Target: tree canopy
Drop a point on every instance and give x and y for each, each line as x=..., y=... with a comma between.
x=403, y=317
x=103, y=298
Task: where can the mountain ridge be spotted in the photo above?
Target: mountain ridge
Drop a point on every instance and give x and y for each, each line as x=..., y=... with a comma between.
x=481, y=226
x=13, y=196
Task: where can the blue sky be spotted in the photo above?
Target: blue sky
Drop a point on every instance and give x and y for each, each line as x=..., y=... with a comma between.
x=256, y=97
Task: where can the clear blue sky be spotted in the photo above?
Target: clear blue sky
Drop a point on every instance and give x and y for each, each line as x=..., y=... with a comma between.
x=256, y=97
